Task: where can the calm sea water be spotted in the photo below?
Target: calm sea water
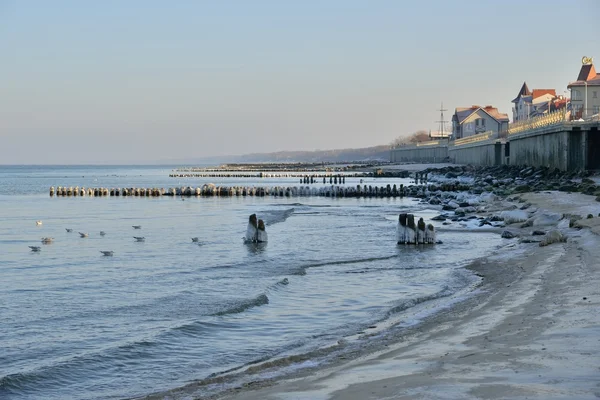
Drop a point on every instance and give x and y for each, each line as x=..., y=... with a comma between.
x=167, y=312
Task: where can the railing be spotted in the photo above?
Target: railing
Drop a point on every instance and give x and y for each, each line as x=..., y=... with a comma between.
x=430, y=143
x=473, y=139
x=556, y=117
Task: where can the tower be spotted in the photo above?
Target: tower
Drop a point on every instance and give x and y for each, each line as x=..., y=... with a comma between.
x=441, y=121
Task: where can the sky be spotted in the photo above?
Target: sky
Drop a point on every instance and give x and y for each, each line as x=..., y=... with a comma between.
x=143, y=81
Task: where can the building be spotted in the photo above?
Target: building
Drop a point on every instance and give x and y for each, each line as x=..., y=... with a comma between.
x=585, y=91
x=555, y=104
x=435, y=135
x=529, y=103
x=475, y=119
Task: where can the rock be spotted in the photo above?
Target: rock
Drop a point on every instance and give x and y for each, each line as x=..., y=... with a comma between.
x=513, y=216
x=568, y=188
x=553, y=237
x=439, y=218
x=538, y=233
x=451, y=175
x=590, y=216
x=522, y=188
x=507, y=235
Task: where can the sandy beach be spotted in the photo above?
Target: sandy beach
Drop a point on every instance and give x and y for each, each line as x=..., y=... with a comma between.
x=532, y=330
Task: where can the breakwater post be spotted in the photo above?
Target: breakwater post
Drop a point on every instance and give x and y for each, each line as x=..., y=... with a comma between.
x=211, y=190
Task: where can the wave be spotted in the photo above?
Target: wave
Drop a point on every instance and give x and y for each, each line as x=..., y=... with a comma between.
x=405, y=305
x=244, y=305
x=302, y=269
x=297, y=356
x=273, y=217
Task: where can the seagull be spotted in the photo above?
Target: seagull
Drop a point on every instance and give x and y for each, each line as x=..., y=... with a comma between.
x=139, y=238
x=47, y=240
x=102, y=233
x=195, y=239
x=106, y=253
x=69, y=230
x=136, y=226
x=83, y=235
x=38, y=223
x=35, y=248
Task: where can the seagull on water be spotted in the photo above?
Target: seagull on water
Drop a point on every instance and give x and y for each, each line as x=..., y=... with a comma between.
x=83, y=235
x=106, y=253
x=136, y=226
x=35, y=248
x=102, y=233
x=195, y=239
x=47, y=240
x=139, y=238
x=38, y=223
x=69, y=230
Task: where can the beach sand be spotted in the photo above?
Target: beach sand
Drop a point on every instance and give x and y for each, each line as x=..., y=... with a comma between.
x=531, y=331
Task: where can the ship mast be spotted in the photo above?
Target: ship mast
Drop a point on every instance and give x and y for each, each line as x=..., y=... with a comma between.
x=441, y=121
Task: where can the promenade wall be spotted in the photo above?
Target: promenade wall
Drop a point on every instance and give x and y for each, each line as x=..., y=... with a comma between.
x=550, y=141
x=483, y=153
x=436, y=152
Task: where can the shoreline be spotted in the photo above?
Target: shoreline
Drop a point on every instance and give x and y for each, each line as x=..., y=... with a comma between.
x=443, y=346
x=531, y=331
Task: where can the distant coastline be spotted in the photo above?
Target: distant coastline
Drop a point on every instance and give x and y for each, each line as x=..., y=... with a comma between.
x=374, y=153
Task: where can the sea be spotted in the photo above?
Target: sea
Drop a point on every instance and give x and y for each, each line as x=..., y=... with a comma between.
x=177, y=319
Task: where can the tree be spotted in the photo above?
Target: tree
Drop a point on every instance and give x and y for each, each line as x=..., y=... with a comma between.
x=417, y=137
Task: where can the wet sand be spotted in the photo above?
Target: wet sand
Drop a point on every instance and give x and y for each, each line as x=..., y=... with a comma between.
x=531, y=331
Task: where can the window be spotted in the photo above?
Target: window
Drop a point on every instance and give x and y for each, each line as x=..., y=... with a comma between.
x=575, y=95
x=595, y=94
x=596, y=110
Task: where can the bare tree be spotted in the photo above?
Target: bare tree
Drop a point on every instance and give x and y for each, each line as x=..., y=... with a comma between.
x=417, y=137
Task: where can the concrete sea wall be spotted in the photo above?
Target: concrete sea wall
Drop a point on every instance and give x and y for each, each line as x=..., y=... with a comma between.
x=435, y=153
x=568, y=146
x=484, y=153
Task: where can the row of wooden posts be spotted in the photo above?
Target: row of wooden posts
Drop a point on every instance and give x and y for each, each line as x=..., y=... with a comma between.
x=212, y=190
x=265, y=175
x=410, y=233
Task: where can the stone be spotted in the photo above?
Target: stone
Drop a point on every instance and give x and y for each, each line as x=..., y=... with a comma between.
x=538, y=233
x=551, y=237
x=507, y=235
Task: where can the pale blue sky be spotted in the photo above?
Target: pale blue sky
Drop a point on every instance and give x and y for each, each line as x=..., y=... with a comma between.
x=148, y=81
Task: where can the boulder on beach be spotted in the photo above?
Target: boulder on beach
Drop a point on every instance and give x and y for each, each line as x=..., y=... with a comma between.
x=554, y=236
x=512, y=216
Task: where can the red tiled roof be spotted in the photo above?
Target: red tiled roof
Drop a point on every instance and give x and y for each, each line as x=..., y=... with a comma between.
x=540, y=92
x=498, y=116
x=463, y=113
x=587, y=75
x=587, y=72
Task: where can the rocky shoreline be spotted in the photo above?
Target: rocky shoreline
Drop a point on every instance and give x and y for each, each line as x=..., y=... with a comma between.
x=461, y=191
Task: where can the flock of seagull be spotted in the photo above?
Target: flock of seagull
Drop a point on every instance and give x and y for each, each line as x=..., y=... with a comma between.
x=108, y=253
